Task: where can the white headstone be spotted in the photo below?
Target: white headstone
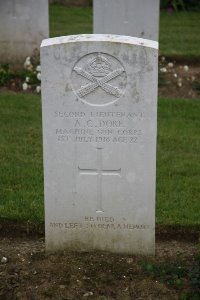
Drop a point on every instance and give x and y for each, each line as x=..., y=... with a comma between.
x=23, y=25
x=99, y=95
x=139, y=18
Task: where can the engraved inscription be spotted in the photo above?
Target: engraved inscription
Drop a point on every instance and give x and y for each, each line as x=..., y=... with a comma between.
x=100, y=127
x=98, y=79
x=99, y=172
x=99, y=225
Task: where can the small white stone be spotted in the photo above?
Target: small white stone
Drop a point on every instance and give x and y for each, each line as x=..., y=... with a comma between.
x=27, y=79
x=162, y=58
x=62, y=286
x=186, y=68
x=175, y=75
x=4, y=260
x=179, y=84
x=190, y=93
x=24, y=86
x=193, y=78
x=129, y=260
x=170, y=65
x=163, y=70
x=38, y=89
x=39, y=76
x=88, y=294
x=38, y=68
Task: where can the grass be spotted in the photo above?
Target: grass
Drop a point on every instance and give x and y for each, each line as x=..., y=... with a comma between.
x=67, y=21
x=178, y=160
x=179, y=32
x=21, y=175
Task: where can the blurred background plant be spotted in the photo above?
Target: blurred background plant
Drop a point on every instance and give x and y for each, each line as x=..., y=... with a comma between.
x=32, y=74
x=180, y=5
x=177, y=274
x=170, y=5
x=72, y=3
x=5, y=74
x=196, y=86
x=28, y=78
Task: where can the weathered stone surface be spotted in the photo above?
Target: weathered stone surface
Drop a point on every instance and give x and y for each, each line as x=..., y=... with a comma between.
x=23, y=25
x=139, y=18
x=99, y=95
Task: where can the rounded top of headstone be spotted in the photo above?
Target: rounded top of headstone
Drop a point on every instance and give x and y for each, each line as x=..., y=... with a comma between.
x=100, y=38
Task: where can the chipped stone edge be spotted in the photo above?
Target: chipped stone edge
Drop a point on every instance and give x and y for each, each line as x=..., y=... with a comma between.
x=99, y=38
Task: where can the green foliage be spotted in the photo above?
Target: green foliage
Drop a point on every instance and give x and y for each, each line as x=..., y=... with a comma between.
x=194, y=275
x=170, y=274
x=196, y=86
x=31, y=75
x=28, y=74
x=192, y=5
x=180, y=5
x=5, y=74
x=172, y=5
x=177, y=275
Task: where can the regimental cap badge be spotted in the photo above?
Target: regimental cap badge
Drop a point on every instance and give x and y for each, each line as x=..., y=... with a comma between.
x=97, y=74
x=98, y=66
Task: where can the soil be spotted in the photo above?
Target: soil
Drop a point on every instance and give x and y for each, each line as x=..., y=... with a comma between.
x=179, y=81
x=30, y=273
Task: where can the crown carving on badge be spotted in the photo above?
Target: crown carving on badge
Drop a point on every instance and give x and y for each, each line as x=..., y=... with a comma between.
x=99, y=66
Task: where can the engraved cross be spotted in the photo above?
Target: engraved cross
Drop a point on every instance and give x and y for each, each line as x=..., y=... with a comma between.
x=99, y=172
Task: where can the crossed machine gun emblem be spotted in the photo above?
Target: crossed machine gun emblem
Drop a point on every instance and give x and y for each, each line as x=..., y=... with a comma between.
x=97, y=81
